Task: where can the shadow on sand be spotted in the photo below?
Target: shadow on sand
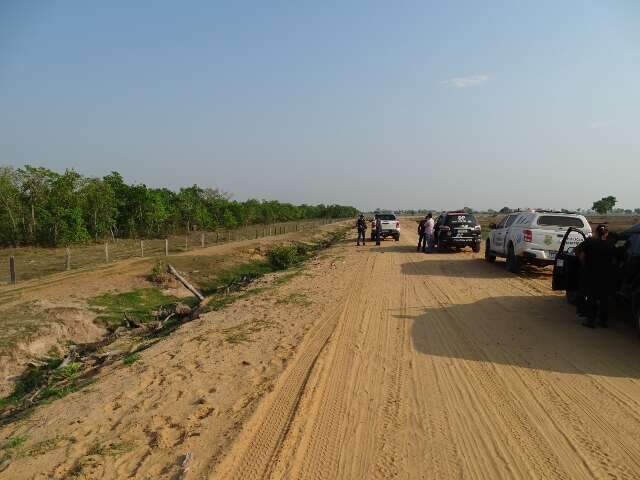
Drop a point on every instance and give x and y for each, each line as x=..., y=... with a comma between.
x=527, y=331
x=464, y=266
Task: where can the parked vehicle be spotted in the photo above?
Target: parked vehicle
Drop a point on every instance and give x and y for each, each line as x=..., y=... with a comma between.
x=457, y=229
x=390, y=226
x=566, y=270
x=533, y=237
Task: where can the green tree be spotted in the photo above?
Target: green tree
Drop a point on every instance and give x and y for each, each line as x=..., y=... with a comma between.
x=229, y=220
x=11, y=207
x=100, y=207
x=35, y=186
x=604, y=205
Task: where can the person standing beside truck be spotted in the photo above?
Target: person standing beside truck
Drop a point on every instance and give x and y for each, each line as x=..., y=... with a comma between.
x=421, y=240
x=378, y=229
x=361, y=225
x=597, y=256
x=428, y=234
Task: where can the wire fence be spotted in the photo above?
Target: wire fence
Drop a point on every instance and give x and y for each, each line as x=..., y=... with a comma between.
x=26, y=263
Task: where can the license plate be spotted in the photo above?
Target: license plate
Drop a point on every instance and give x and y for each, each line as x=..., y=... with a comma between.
x=552, y=254
x=461, y=233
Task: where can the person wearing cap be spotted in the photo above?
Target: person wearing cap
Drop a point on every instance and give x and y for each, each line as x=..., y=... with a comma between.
x=597, y=256
x=361, y=225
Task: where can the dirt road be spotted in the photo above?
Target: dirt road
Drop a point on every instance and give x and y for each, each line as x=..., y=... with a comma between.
x=444, y=366
x=369, y=363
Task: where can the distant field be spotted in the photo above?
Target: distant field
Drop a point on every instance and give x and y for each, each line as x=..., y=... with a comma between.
x=34, y=262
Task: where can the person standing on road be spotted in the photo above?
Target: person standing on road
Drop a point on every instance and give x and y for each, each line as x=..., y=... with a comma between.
x=378, y=229
x=361, y=225
x=421, y=239
x=597, y=256
x=427, y=247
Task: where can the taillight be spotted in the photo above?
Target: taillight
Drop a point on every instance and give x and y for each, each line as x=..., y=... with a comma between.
x=397, y=224
x=527, y=235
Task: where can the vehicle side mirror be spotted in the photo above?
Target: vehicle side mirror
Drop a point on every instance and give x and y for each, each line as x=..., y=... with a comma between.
x=492, y=226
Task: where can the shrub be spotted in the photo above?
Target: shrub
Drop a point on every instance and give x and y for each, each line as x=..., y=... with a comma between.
x=283, y=256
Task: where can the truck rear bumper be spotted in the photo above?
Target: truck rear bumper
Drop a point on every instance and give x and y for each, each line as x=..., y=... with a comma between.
x=539, y=257
x=459, y=241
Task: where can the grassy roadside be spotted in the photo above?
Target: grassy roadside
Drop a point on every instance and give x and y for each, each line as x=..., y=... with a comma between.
x=54, y=377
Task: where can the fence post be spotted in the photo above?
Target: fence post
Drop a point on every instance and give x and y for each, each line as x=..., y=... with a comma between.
x=142, y=248
x=67, y=259
x=186, y=242
x=256, y=233
x=166, y=247
x=217, y=237
x=106, y=252
x=12, y=269
x=229, y=236
x=202, y=240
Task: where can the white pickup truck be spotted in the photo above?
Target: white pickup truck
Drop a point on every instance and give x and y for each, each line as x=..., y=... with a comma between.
x=390, y=226
x=532, y=237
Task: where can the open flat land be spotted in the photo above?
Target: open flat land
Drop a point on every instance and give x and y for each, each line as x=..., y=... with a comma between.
x=366, y=363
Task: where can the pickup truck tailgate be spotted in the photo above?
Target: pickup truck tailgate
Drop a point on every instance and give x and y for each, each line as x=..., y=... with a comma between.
x=388, y=224
x=549, y=240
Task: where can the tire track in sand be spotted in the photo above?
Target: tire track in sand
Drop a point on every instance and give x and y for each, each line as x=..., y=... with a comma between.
x=255, y=453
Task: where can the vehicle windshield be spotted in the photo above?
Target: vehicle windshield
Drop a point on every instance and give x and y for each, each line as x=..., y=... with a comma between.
x=386, y=216
x=560, y=221
x=462, y=219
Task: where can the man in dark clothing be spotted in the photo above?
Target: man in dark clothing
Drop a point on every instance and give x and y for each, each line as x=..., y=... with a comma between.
x=597, y=256
x=361, y=225
x=421, y=237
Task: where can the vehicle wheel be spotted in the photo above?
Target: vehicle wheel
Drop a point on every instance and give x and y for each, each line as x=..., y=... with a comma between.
x=397, y=237
x=513, y=262
x=635, y=309
x=476, y=247
x=488, y=256
x=572, y=297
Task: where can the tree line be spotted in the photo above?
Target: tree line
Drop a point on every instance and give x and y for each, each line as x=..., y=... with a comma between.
x=42, y=207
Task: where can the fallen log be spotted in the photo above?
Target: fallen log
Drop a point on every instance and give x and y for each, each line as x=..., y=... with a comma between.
x=184, y=282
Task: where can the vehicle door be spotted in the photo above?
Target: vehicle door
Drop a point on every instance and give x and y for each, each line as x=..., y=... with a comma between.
x=566, y=269
x=497, y=236
x=507, y=231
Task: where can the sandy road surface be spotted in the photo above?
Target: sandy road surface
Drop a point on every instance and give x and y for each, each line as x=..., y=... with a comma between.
x=444, y=366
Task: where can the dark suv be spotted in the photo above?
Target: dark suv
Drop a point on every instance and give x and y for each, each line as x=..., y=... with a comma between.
x=566, y=270
x=457, y=229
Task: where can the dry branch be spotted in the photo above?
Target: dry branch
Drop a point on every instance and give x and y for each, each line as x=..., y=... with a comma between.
x=184, y=282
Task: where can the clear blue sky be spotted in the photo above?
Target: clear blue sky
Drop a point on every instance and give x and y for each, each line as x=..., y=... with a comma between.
x=377, y=104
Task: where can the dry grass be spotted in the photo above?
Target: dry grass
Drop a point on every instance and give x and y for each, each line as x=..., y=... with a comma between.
x=36, y=262
x=20, y=323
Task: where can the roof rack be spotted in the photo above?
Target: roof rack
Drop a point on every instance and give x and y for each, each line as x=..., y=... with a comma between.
x=542, y=210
